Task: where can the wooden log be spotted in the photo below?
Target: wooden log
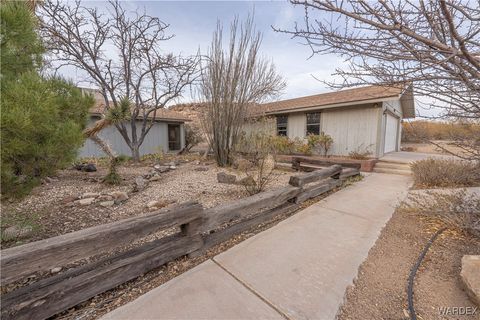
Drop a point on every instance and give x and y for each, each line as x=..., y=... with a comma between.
x=349, y=172
x=222, y=235
x=219, y=215
x=50, y=296
x=302, y=179
x=43, y=255
x=317, y=189
x=324, y=162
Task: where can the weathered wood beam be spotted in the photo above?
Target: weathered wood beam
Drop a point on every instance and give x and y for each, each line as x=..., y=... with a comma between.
x=43, y=255
x=47, y=297
x=349, y=172
x=296, y=161
x=237, y=209
x=317, y=189
x=222, y=235
x=302, y=179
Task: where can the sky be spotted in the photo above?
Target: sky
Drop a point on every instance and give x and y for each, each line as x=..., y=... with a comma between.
x=193, y=22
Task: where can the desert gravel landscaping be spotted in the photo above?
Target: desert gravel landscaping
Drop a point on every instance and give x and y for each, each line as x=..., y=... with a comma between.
x=54, y=208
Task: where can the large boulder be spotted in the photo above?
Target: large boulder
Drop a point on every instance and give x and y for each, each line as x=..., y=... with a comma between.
x=139, y=184
x=470, y=275
x=223, y=177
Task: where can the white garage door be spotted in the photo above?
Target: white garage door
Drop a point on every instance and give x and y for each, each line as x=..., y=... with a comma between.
x=391, y=129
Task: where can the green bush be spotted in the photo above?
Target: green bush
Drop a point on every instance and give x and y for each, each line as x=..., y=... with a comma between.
x=42, y=119
x=41, y=129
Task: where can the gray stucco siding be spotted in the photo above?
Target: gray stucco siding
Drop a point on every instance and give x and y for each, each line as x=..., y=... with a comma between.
x=156, y=140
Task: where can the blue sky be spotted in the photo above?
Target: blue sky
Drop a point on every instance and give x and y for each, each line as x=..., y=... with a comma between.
x=193, y=23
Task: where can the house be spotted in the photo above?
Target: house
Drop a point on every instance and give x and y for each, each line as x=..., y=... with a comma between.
x=166, y=135
x=363, y=119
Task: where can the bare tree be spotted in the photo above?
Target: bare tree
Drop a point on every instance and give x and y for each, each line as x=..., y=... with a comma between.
x=122, y=54
x=232, y=79
x=433, y=44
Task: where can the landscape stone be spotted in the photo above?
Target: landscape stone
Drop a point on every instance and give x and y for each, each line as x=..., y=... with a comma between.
x=223, y=177
x=119, y=196
x=56, y=270
x=139, y=184
x=90, y=195
x=85, y=201
x=107, y=203
x=247, y=181
x=201, y=169
x=470, y=276
x=161, y=169
x=155, y=177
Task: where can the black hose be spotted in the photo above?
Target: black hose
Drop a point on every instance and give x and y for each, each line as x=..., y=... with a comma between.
x=413, y=272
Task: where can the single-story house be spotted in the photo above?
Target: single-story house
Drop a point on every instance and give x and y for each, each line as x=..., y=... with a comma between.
x=166, y=135
x=363, y=119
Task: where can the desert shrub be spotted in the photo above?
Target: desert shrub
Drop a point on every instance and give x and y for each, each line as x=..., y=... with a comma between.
x=324, y=142
x=258, y=149
x=193, y=136
x=283, y=145
x=305, y=149
x=445, y=173
x=457, y=208
x=360, y=153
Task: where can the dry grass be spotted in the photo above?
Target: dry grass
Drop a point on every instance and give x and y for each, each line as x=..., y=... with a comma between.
x=457, y=208
x=445, y=173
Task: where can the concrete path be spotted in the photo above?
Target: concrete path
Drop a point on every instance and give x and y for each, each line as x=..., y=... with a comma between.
x=408, y=157
x=298, y=269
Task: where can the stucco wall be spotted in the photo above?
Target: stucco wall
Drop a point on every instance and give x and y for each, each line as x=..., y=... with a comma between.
x=155, y=141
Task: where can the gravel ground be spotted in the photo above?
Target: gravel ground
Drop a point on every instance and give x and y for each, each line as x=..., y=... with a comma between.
x=380, y=289
x=49, y=207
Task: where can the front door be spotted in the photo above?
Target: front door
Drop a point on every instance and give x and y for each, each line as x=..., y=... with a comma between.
x=174, y=137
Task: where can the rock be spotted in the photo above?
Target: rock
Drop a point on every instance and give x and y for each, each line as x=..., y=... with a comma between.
x=158, y=204
x=139, y=184
x=48, y=180
x=55, y=270
x=201, y=169
x=85, y=201
x=223, y=177
x=89, y=195
x=107, y=204
x=470, y=276
x=247, y=181
x=196, y=162
x=89, y=168
x=119, y=196
x=16, y=232
x=161, y=169
x=172, y=167
x=171, y=164
x=69, y=199
x=105, y=197
x=155, y=177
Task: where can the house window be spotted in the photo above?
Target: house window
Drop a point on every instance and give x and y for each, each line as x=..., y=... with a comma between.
x=313, y=123
x=282, y=122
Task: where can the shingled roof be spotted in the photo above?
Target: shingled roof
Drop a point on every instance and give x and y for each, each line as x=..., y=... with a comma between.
x=161, y=114
x=353, y=96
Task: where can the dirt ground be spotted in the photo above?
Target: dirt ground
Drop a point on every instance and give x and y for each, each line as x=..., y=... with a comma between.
x=51, y=210
x=379, y=292
x=430, y=148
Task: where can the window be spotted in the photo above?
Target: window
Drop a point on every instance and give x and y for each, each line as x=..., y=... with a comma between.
x=282, y=122
x=313, y=123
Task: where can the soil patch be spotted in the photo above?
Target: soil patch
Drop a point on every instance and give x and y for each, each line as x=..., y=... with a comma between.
x=379, y=292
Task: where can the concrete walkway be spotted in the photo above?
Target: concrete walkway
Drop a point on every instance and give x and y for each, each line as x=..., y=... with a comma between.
x=298, y=269
x=409, y=157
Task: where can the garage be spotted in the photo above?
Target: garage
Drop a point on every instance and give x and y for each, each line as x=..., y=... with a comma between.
x=391, y=130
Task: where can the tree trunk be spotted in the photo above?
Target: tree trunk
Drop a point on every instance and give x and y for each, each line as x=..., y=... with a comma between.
x=135, y=153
